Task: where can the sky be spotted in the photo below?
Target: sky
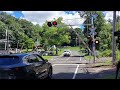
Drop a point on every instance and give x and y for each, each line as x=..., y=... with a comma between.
x=39, y=17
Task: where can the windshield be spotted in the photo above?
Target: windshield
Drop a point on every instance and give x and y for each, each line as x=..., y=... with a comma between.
x=9, y=60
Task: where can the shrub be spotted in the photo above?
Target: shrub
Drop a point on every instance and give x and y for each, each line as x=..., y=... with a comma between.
x=118, y=55
x=106, y=53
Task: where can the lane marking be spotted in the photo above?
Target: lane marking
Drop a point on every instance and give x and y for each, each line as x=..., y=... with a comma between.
x=75, y=72
x=80, y=58
x=67, y=64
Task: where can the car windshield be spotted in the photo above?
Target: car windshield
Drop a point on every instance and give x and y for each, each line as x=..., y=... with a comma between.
x=9, y=60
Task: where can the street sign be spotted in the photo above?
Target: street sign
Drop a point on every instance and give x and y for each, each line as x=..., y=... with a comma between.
x=93, y=31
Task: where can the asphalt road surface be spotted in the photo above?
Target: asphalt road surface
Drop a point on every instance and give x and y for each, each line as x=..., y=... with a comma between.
x=73, y=67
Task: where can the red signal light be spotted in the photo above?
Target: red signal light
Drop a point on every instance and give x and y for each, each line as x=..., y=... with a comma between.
x=54, y=23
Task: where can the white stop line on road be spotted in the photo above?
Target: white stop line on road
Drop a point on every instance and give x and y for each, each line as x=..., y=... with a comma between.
x=66, y=64
x=71, y=64
x=75, y=72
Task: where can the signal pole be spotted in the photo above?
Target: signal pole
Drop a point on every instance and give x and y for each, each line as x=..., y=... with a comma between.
x=93, y=40
x=113, y=39
x=7, y=41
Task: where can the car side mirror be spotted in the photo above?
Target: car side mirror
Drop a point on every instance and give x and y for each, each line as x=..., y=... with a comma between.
x=30, y=60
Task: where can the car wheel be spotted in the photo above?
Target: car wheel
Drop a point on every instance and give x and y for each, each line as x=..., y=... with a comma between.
x=49, y=73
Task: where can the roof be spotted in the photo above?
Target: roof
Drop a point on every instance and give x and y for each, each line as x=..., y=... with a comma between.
x=19, y=55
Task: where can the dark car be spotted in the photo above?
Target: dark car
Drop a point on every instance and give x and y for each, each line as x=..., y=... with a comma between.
x=24, y=66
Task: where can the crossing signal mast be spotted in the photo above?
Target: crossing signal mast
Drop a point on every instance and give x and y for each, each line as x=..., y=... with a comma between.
x=54, y=23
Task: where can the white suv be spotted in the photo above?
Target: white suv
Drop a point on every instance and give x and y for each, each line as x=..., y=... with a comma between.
x=67, y=53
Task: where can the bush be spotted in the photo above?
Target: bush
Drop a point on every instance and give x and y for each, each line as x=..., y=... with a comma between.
x=118, y=55
x=106, y=53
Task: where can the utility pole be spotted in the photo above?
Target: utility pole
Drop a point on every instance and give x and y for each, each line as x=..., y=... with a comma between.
x=76, y=41
x=93, y=39
x=7, y=41
x=113, y=38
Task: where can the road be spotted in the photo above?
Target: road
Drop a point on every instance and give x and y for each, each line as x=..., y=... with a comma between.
x=74, y=67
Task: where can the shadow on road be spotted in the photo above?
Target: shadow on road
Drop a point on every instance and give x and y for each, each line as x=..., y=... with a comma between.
x=78, y=56
x=104, y=74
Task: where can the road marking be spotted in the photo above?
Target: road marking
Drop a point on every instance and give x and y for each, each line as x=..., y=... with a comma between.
x=67, y=64
x=75, y=72
x=80, y=58
x=68, y=58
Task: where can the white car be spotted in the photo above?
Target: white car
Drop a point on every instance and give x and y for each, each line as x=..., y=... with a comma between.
x=67, y=53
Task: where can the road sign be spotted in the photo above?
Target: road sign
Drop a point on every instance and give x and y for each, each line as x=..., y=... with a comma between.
x=92, y=29
x=93, y=32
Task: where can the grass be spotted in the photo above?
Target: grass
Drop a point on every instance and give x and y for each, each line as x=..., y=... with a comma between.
x=47, y=57
x=61, y=52
x=25, y=50
x=102, y=64
x=107, y=63
x=88, y=57
x=72, y=48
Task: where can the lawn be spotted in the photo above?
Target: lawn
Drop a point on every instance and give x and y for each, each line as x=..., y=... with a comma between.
x=88, y=57
x=47, y=57
x=25, y=50
x=73, y=48
x=65, y=48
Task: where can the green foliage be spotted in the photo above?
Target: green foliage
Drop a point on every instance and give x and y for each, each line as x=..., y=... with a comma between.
x=28, y=35
x=118, y=55
x=106, y=53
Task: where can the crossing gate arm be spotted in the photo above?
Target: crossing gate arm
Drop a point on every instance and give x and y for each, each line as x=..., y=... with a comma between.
x=80, y=39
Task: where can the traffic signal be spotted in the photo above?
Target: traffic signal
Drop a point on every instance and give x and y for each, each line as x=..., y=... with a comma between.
x=90, y=42
x=118, y=41
x=49, y=24
x=97, y=41
x=97, y=44
x=54, y=23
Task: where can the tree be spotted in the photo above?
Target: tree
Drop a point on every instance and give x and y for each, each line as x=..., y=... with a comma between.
x=56, y=35
x=3, y=28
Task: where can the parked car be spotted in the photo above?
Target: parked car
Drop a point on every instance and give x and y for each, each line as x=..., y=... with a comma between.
x=67, y=53
x=24, y=66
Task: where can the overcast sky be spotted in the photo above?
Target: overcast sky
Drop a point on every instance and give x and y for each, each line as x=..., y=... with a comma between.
x=39, y=17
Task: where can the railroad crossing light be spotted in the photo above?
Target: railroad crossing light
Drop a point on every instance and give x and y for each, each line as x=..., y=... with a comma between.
x=97, y=44
x=54, y=23
x=49, y=24
x=96, y=41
